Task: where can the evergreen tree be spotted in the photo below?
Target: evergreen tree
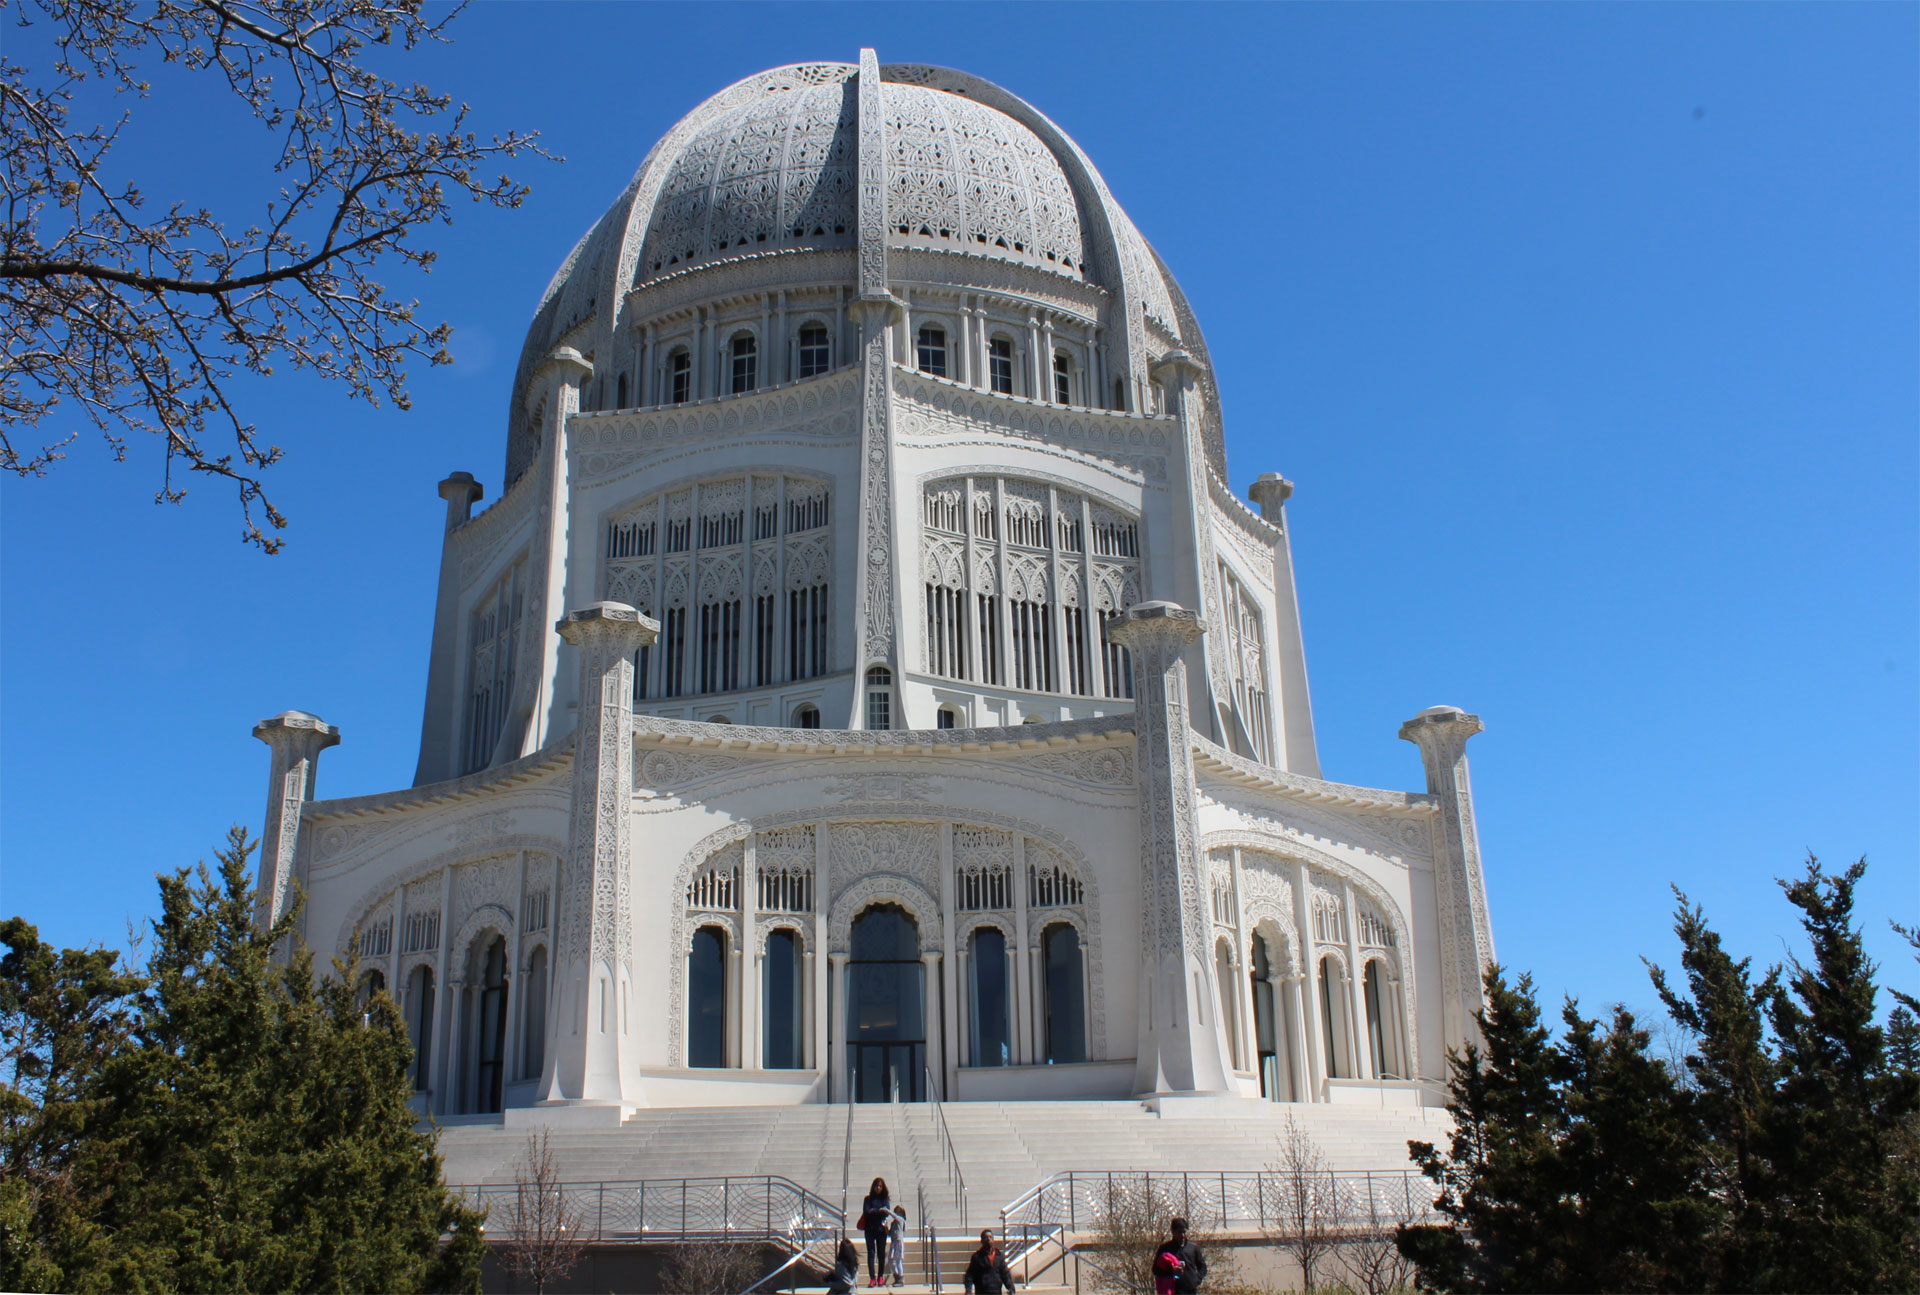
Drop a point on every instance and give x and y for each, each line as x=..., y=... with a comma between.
x=255, y=1123
x=1847, y=1204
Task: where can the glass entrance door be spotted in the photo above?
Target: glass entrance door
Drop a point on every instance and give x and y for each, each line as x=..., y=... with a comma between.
x=886, y=1015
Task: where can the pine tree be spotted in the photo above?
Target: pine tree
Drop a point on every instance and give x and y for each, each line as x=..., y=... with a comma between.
x=1847, y=1204
x=1733, y=1076
x=252, y=1130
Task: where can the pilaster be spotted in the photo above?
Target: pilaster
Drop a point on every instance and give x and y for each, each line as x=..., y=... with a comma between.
x=565, y=371
x=595, y=960
x=437, y=749
x=296, y=740
x=1300, y=753
x=1192, y=575
x=1176, y=1052
x=1460, y=891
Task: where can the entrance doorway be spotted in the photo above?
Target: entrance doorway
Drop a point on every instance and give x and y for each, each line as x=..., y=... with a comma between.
x=886, y=1008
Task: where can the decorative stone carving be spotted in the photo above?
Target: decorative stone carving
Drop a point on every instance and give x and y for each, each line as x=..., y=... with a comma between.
x=884, y=786
x=296, y=740
x=1175, y=1053
x=479, y=827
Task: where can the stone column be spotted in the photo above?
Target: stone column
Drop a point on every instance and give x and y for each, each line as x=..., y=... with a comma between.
x=952, y=1027
x=837, y=1029
x=1020, y=984
x=752, y=952
x=1356, y=995
x=1460, y=891
x=439, y=740
x=1318, y=1065
x=603, y=1066
x=930, y=992
x=296, y=740
x=1175, y=1054
x=809, y=1009
x=1296, y=1027
x=1297, y=752
x=539, y=705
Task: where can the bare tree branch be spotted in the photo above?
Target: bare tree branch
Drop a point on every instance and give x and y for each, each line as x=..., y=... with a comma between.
x=140, y=323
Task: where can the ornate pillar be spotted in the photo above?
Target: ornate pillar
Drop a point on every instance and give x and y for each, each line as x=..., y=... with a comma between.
x=930, y=992
x=752, y=951
x=1318, y=1066
x=439, y=741
x=296, y=740
x=1356, y=995
x=1020, y=984
x=1460, y=890
x=952, y=1028
x=595, y=959
x=837, y=1030
x=1176, y=1054
x=1296, y=752
x=1296, y=1028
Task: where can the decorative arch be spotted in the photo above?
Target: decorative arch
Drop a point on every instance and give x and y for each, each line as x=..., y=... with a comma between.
x=1278, y=934
x=885, y=888
x=768, y=923
x=488, y=917
x=1314, y=857
x=530, y=946
x=1087, y=917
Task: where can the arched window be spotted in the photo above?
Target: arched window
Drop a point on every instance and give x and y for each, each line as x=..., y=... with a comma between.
x=1267, y=1015
x=680, y=376
x=1066, y=994
x=1062, y=379
x=815, y=353
x=1383, y=1038
x=1227, y=985
x=947, y=717
x=886, y=1007
x=487, y=995
x=1000, y=365
x=533, y=1052
x=933, y=350
x=420, y=1024
x=806, y=715
x=372, y=982
x=879, y=698
x=1333, y=1021
x=707, y=998
x=989, y=1032
x=745, y=353
x=780, y=988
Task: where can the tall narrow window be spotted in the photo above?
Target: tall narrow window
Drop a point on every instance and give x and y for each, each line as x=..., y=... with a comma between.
x=807, y=632
x=420, y=1024
x=815, y=353
x=680, y=377
x=1066, y=995
x=489, y=1025
x=764, y=617
x=1116, y=663
x=494, y=638
x=780, y=1002
x=534, y=1031
x=1382, y=1039
x=933, y=350
x=707, y=998
x=720, y=646
x=676, y=653
x=989, y=607
x=989, y=1037
x=1062, y=379
x=1000, y=365
x=621, y=387
x=1332, y=1023
x=879, y=698
x=947, y=632
x=745, y=352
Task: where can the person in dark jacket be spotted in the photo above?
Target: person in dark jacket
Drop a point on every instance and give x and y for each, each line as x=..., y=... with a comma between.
x=846, y=1269
x=987, y=1272
x=1180, y=1259
x=876, y=1213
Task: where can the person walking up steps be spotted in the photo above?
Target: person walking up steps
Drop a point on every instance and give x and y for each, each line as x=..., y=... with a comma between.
x=987, y=1272
x=874, y=1213
x=897, y=1245
x=1178, y=1265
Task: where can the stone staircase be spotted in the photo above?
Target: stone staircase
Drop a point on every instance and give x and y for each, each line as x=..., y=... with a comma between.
x=1003, y=1148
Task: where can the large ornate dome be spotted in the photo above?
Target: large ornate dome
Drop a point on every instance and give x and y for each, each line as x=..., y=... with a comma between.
x=770, y=167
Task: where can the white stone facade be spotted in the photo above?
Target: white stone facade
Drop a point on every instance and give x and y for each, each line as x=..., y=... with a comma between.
x=863, y=464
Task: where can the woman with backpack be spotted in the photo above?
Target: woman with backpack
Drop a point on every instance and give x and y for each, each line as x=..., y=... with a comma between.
x=875, y=1211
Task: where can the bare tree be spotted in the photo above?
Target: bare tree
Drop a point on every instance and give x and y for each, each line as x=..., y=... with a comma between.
x=546, y=1233
x=140, y=321
x=1134, y=1213
x=1308, y=1210
x=712, y=1267
x=1369, y=1257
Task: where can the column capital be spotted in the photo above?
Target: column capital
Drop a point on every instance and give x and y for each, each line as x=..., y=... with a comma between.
x=1271, y=491
x=1441, y=724
x=1149, y=628
x=297, y=730
x=566, y=364
x=461, y=492
x=1177, y=367
x=624, y=626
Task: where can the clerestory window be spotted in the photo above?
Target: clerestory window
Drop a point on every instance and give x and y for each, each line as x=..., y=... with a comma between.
x=933, y=350
x=815, y=354
x=745, y=350
x=680, y=377
x=1000, y=365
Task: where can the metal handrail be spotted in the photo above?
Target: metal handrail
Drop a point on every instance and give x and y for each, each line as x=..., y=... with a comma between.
x=1230, y=1200
x=846, y=1160
x=949, y=1154
x=757, y=1207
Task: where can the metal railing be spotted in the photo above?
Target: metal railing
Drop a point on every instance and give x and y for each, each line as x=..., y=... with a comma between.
x=1268, y=1202
x=949, y=1155
x=761, y=1208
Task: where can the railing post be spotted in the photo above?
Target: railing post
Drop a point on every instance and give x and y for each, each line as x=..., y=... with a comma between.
x=600, y=1215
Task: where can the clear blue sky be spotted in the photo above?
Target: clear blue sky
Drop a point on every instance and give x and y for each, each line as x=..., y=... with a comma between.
x=1588, y=334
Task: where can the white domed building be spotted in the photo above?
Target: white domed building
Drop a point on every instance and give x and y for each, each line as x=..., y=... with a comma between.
x=865, y=683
